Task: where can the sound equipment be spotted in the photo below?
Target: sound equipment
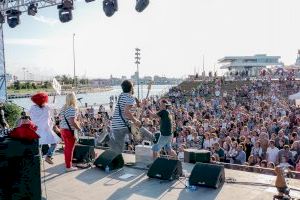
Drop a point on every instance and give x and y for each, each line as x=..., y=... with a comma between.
x=207, y=175
x=85, y=140
x=18, y=148
x=83, y=153
x=19, y=170
x=111, y=159
x=165, y=169
x=144, y=153
x=194, y=155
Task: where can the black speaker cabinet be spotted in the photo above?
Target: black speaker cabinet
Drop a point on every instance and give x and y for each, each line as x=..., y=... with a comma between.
x=165, y=169
x=17, y=148
x=83, y=153
x=207, y=175
x=111, y=159
x=85, y=140
x=20, y=175
x=194, y=155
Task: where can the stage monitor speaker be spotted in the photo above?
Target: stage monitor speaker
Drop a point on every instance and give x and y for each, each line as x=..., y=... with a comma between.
x=83, y=153
x=111, y=159
x=165, y=169
x=207, y=175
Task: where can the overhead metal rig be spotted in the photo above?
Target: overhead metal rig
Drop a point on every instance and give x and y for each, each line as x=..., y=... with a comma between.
x=11, y=10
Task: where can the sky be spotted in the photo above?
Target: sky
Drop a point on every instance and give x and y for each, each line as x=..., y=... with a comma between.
x=173, y=35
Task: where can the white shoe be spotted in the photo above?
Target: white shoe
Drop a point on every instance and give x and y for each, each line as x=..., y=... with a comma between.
x=71, y=169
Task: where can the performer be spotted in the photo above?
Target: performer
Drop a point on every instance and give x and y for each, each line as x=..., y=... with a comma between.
x=68, y=124
x=122, y=115
x=40, y=114
x=166, y=137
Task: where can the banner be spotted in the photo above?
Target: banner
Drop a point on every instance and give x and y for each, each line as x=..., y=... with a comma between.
x=56, y=86
x=3, y=91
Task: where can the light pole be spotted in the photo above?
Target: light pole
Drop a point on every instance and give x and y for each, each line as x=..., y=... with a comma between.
x=24, y=71
x=137, y=62
x=74, y=77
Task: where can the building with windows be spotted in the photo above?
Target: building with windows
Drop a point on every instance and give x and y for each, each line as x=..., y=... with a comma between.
x=248, y=65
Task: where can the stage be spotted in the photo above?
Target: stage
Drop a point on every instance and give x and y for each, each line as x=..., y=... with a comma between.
x=94, y=184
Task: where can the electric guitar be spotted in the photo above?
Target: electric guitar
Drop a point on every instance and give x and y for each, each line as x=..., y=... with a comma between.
x=135, y=130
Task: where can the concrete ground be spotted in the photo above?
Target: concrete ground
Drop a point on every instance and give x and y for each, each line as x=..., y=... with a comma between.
x=94, y=184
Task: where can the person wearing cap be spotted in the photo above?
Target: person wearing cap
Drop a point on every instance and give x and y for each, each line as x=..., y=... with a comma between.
x=40, y=114
x=166, y=137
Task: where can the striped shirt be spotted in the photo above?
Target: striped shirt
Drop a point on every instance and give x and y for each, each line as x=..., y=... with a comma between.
x=69, y=113
x=124, y=99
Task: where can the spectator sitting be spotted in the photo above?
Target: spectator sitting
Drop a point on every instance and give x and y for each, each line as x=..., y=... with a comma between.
x=241, y=156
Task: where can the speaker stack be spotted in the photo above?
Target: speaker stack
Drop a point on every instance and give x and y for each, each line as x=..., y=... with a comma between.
x=19, y=170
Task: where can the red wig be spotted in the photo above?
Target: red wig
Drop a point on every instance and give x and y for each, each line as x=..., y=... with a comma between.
x=40, y=98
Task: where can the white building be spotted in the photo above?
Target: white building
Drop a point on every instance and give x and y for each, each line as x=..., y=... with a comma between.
x=249, y=65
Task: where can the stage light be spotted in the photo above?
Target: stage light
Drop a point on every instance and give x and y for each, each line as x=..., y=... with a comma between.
x=32, y=9
x=2, y=18
x=141, y=5
x=13, y=18
x=65, y=11
x=110, y=7
x=65, y=15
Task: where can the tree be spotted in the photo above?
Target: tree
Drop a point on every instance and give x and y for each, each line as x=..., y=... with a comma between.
x=17, y=85
x=12, y=113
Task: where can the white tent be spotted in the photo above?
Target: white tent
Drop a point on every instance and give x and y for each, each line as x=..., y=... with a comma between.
x=294, y=96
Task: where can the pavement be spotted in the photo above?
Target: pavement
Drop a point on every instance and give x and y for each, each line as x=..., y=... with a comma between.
x=95, y=184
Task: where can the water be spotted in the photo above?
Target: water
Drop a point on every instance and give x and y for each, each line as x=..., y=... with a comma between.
x=96, y=98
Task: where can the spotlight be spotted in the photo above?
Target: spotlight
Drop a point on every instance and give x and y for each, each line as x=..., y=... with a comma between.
x=141, y=5
x=65, y=11
x=65, y=15
x=2, y=18
x=110, y=7
x=32, y=9
x=13, y=18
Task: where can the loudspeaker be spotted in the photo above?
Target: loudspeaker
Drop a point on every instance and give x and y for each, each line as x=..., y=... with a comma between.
x=165, y=169
x=111, y=159
x=83, y=153
x=85, y=140
x=20, y=175
x=207, y=175
x=18, y=148
x=194, y=155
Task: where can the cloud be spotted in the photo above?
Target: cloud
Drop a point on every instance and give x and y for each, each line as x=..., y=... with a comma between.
x=27, y=42
x=46, y=20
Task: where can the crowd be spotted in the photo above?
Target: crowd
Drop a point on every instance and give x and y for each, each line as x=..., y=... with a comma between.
x=255, y=125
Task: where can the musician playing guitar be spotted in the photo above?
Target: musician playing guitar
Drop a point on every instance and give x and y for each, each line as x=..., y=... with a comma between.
x=166, y=137
x=122, y=115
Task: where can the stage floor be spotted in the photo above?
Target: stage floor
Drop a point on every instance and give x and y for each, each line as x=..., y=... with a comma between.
x=94, y=184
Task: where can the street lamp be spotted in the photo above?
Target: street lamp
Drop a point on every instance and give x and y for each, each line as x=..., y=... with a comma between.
x=24, y=70
x=137, y=62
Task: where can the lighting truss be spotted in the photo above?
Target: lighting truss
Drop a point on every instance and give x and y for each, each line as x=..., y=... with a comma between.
x=22, y=5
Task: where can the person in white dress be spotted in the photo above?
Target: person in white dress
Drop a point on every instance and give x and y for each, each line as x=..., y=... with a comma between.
x=40, y=114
